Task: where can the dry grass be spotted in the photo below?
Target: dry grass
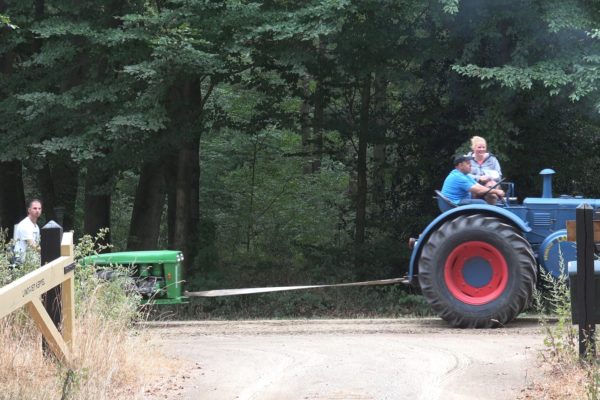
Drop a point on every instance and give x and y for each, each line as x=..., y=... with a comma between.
x=565, y=375
x=563, y=382
x=110, y=358
x=26, y=374
x=110, y=361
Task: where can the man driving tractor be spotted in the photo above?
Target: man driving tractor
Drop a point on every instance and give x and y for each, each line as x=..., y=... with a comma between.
x=461, y=188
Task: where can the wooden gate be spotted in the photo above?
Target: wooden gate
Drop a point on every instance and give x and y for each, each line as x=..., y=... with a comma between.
x=27, y=291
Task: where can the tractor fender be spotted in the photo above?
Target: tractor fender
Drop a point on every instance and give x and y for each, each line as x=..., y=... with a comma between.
x=486, y=209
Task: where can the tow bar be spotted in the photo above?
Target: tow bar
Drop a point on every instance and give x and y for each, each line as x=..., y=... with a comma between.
x=236, y=292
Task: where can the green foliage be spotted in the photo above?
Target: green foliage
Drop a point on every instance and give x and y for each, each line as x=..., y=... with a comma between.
x=121, y=209
x=561, y=61
x=72, y=382
x=262, y=205
x=568, y=15
x=5, y=21
x=450, y=6
x=8, y=270
x=113, y=85
x=107, y=299
x=561, y=338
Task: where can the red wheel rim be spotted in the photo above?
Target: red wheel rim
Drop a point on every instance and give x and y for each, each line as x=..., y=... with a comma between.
x=471, y=261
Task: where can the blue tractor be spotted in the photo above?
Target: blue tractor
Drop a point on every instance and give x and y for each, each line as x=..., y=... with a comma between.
x=477, y=264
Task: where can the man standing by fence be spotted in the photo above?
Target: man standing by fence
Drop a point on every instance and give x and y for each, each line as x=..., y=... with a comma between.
x=27, y=232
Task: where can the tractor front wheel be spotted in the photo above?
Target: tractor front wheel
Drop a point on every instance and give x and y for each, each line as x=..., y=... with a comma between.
x=477, y=272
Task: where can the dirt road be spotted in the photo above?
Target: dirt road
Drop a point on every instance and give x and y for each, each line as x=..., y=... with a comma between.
x=348, y=359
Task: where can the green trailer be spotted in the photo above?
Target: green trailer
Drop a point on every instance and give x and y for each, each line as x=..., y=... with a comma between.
x=158, y=274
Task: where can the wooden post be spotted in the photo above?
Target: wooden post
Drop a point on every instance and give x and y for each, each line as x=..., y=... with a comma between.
x=51, y=238
x=68, y=291
x=585, y=280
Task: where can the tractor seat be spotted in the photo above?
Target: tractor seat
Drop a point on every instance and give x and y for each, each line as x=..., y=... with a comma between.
x=444, y=203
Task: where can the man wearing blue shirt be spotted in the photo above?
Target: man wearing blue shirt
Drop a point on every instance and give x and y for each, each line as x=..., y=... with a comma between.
x=459, y=187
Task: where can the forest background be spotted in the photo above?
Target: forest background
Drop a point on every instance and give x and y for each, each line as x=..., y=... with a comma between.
x=284, y=141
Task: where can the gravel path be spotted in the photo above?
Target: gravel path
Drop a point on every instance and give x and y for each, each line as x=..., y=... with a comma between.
x=347, y=359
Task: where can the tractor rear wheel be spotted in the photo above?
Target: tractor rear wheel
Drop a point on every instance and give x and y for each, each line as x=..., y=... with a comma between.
x=477, y=272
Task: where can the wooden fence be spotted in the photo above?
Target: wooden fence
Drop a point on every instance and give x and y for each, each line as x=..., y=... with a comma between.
x=27, y=291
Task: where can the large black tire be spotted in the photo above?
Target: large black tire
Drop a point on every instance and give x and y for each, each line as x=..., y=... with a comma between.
x=457, y=261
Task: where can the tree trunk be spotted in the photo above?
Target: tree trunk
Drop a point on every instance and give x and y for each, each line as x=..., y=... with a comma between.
x=318, y=127
x=97, y=202
x=361, y=164
x=250, y=228
x=171, y=168
x=39, y=9
x=148, y=205
x=12, y=195
x=185, y=108
x=379, y=150
x=305, y=129
x=186, y=216
x=47, y=190
x=319, y=112
x=58, y=185
x=65, y=178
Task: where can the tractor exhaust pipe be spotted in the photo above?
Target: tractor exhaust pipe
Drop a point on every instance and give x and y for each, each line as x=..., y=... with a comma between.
x=547, y=183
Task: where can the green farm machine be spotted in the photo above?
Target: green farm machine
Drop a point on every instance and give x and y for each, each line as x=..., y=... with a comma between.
x=157, y=274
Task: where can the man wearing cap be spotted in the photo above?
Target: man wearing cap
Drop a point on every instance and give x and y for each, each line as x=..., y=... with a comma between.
x=460, y=187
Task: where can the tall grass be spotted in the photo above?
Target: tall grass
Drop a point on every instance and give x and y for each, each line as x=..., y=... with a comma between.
x=571, y=376
x=108, y=361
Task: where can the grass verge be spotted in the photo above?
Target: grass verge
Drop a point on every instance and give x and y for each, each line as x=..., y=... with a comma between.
x=569, y=377
x=110, y=360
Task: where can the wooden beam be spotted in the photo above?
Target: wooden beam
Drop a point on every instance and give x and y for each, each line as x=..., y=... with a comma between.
x=68, y=309
x=27, y=290
x=66, y=245
x=572, y=231
x=68, y=291
x=31, y=286
x=68, y=286
x=46, y=326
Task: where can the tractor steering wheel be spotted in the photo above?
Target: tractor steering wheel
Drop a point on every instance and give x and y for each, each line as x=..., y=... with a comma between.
x=494, y=187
